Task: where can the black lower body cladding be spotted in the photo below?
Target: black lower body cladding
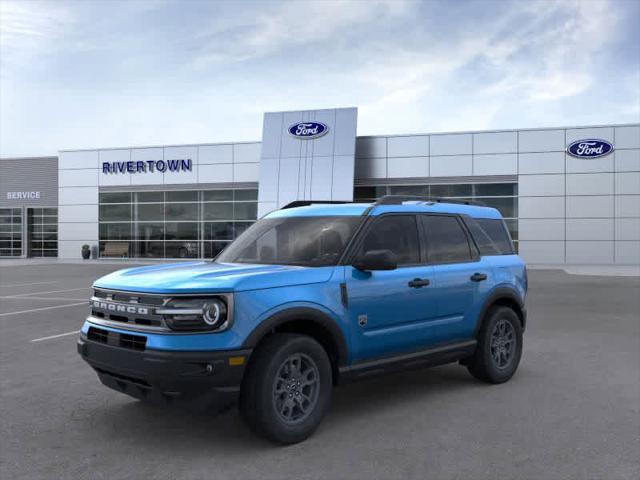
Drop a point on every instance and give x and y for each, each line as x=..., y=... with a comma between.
x=204, y=379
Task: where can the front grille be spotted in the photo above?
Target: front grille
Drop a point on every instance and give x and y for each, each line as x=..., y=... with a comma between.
x=128, y=308
x=123, y=340
x=134, y=342
x=98, y=335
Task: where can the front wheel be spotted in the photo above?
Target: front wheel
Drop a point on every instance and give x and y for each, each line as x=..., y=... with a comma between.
x=499, y=346
x=287, y=388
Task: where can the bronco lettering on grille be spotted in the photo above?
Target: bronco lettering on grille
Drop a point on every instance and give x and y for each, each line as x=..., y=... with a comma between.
x=119, y=307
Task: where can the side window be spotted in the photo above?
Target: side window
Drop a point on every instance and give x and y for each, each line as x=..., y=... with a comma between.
x=398, y=233
x=446, y=240
x=497, y=231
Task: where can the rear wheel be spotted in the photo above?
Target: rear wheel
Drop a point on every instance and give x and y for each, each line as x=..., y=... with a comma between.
x=499, y=346
x=287, y=388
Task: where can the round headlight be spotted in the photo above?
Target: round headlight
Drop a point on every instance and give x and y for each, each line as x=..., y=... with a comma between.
x=214, y=313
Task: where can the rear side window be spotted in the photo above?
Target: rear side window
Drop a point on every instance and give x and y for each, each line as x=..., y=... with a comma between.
x=446, y=239
x=398, y=233
x=491, y=236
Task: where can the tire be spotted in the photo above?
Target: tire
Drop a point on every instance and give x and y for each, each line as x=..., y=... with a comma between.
x=497, y=364
x=274, y=400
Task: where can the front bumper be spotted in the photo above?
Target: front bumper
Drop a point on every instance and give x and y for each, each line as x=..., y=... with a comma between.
x=195, y=379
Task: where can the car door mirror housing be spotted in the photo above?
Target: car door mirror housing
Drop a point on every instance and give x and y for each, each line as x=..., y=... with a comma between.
x=377, y=260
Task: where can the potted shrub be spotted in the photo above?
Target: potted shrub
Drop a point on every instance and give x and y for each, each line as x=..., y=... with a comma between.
x=86, y=252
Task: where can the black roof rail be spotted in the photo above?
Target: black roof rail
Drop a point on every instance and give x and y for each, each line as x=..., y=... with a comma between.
x=306, y=203
x=399, y=199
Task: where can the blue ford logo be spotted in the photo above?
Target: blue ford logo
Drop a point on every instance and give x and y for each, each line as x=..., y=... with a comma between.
x=590, y=148
x=308, y=130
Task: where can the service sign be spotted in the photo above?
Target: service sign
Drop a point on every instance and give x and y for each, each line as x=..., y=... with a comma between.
x=308, y=130
x=589, y=148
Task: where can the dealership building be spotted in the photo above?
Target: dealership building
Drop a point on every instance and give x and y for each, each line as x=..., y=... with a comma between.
x=570, y=195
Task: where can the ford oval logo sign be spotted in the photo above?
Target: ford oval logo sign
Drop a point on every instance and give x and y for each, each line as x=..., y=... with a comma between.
x=308, y=130
x=590, y=148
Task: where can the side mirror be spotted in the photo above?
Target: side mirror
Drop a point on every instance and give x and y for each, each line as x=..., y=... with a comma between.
x=377, y=260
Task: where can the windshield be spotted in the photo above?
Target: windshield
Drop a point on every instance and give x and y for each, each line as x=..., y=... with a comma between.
x=305, y=241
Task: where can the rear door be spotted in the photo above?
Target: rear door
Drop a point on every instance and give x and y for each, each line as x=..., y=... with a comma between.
x=460, y=275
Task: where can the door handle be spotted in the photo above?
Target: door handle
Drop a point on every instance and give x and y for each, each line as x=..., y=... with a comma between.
x=419, y=282
x=478, y=277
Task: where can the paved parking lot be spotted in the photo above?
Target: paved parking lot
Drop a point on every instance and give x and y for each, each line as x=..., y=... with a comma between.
x=572, y=410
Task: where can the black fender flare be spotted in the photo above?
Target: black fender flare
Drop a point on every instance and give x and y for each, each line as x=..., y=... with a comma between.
x=497, y=295
x=308, y=314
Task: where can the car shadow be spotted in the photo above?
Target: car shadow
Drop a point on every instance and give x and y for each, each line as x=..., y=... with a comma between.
x=181, y=431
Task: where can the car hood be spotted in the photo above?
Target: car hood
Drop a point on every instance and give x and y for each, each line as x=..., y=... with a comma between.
x=203, y=277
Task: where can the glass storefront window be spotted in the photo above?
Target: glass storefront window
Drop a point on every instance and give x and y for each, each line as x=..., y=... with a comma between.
x=42, y=231
x=502, y=196
x=10, y=232
x=174, y=224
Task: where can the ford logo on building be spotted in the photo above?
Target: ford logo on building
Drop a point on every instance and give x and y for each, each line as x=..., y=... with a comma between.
x=308, y=130
x=590, y=148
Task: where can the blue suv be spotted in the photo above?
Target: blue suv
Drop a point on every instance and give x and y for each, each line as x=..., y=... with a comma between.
x=311, y=296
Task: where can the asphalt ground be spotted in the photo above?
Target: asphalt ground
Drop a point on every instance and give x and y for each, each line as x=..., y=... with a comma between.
x=571, y=411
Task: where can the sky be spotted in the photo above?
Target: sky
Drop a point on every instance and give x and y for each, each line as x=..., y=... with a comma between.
x=85, y=74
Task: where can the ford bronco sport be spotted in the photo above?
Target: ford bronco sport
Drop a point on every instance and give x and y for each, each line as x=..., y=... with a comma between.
x=310, y=296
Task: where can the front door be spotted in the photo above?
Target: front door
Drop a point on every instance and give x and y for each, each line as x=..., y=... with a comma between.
x=390, y=311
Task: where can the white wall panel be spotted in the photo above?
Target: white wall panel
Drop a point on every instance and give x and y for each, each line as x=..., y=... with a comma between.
x=181, y=176
x=495, y=142
x=246, y=153
x=371, y=147
x=627, y=205
x=79, y=159
x=342, y=175
x=541, y=229
x=404, y=167
x=143, y=155
x=590, y=206
x=291, y=146
x=541, y=207
x=410, y=146
x=266, y=207
x=346, y=125
x=246, y=172
x=589, y=229
x=452, y=144
x=321, y=177
x=77, y=195
x=77, y=213
x=589, y=252
x=71, y=249
x=628, y=183
x=117, y=178
x=215, y=154
x=627, y=228
x=541, y=252
x=371, y=168
x=627, y=160
x=540, y=185
x=78, y=231
x=541, y=141
x=601, y=133
x=590, y=184
x=586, y=165
x=290, y=171
x=323, y=146
x=628, y=137
x=215, y=173
x=501, y=164
x=77, y=178
x=272, y=128
x=451, y=166
x=545, y=162
x=627, y=253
